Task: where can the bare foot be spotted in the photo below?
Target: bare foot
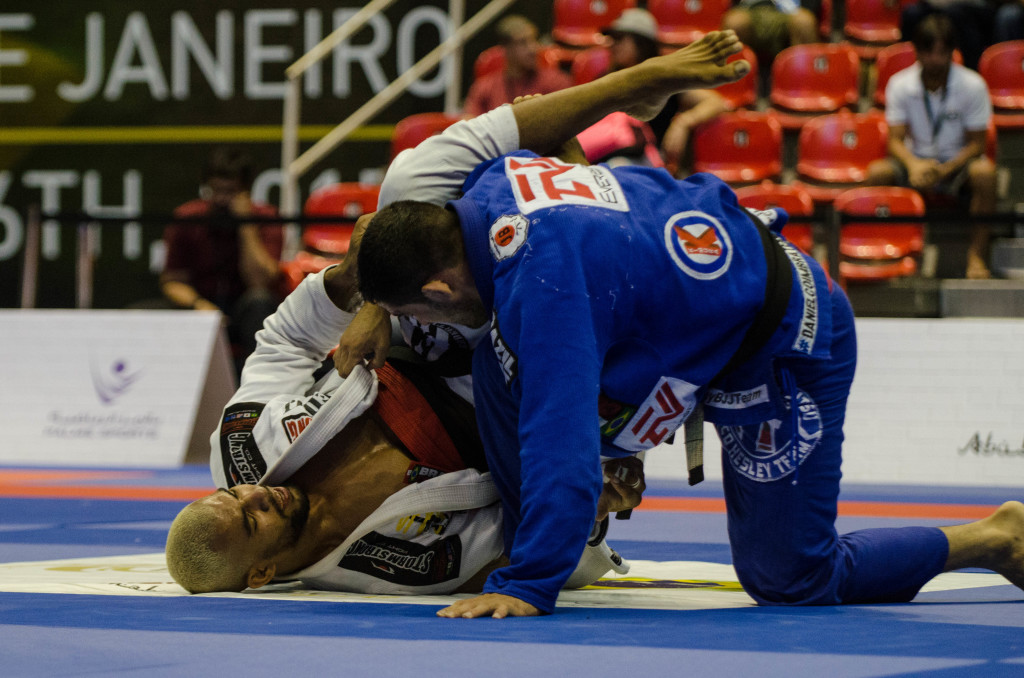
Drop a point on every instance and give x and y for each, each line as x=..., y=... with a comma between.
x=702, y=63
x=976, y=268
x=995, y=543
x=699, y=65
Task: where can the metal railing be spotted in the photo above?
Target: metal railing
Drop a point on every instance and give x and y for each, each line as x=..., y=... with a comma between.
x=293, y=165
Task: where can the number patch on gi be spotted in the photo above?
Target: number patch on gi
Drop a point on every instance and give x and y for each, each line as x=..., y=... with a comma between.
x=547, y=182
x=664, y=410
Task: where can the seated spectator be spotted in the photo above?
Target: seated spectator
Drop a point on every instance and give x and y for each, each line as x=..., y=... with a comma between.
x=972, y=21
x=634, y=38
x=521, y=76
x=770, y=26
x=219, y=264
x=938, y=114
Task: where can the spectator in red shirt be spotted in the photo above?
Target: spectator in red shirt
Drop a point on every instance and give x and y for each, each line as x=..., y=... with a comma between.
x=218, y=263
x=521, y=76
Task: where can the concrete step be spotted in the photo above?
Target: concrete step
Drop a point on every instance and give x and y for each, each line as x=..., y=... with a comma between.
x=982, y=298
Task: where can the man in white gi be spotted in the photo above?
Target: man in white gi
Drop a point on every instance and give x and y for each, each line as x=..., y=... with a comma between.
x=377, y=495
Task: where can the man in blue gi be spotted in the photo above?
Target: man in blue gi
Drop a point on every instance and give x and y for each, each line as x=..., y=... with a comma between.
x=620, y=303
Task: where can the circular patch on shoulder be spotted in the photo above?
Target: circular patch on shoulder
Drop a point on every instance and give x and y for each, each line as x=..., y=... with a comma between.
x=698, y=244
x=508, y=233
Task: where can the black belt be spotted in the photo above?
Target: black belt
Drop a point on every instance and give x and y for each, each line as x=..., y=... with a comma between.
x=777, y=287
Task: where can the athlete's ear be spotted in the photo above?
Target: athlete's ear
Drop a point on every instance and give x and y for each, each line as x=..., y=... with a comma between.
x=260, y=574
x=437, y=291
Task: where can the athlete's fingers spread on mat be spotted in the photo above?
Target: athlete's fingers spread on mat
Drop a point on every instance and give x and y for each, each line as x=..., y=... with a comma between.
x=367, y=338
x=496, y=605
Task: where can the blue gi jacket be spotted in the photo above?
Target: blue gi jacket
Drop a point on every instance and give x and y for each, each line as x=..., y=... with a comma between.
x=618, y=298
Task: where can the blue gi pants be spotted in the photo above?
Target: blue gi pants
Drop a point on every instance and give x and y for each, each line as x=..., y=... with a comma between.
x=781, y=514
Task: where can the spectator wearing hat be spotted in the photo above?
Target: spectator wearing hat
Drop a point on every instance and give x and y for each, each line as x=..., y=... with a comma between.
x=634, y=38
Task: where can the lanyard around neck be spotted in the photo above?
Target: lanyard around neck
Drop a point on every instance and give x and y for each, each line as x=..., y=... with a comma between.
x=936, y=120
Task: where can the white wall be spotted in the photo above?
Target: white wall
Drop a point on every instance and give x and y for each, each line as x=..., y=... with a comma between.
x=935, y=401
x=102, y=388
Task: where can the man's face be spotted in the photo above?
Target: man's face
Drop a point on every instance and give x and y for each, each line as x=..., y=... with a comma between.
x=223, y=191
x=521, y=50
x=935, y=62
x=624, y=52
x=255, y=522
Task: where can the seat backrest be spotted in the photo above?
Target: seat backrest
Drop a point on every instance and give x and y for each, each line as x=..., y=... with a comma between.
x=350, y=201
x=893, y=59
x=579, y=22
x=410, y=131
x=683, y=21
x=747, y=139
x=816, y=77
x=880, y=241
x=841, y=140
x=769, y=194
x=794, y=199
x=1002, y=66
x=743, y=92
x=492, y=60
x=880, y=201
x=872, y=14
x=590, y=64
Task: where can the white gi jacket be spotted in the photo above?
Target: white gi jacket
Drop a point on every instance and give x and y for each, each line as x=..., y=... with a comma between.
x=428, y=538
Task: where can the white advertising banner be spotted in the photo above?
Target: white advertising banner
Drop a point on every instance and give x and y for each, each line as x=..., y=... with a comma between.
x=102, y=388
x=934, y=402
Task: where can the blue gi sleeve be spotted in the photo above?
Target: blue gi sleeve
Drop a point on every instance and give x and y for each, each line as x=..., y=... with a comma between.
x=544, y=345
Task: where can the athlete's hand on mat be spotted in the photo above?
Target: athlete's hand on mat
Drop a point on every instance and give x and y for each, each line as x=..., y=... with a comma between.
x=496, y=605
x=368, y=338
x=624, y=486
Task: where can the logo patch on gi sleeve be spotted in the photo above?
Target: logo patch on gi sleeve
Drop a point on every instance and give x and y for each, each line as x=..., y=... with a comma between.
x=698, y=244
x=506, y=358
x=507, y=235
x=659, y=415
x=241, y=456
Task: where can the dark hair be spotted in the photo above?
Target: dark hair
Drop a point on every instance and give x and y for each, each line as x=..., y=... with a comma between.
x=507, y=28
x=405, y=244
x=229, y=163
x=935, y=29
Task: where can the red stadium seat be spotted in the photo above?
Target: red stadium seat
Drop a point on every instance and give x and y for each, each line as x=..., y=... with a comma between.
x=492, y=60
x=893, y=59
x=578, y=23
x=681, y=22
x=813, y=79
x=1002, y=66
x=794, y=199
x=347, y=200
x=743, y=92
x=825, y=21
x=834, y=151
x=879, y=251
x=739, y=147
x=327, y=243
x=410, y=131
x=871, y=25
x=590, y=64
